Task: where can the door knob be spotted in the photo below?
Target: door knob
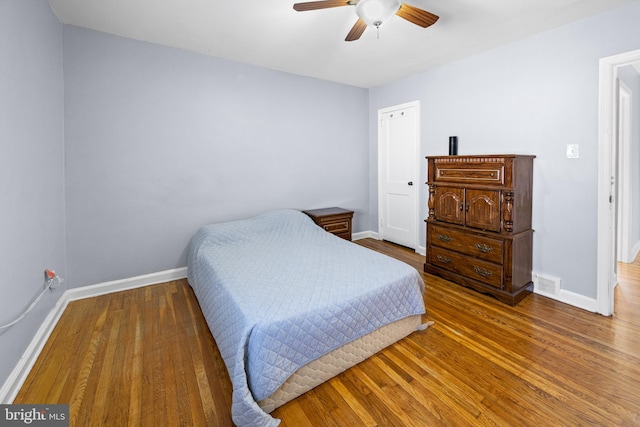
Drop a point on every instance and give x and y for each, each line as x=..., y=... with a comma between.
x=410, y=183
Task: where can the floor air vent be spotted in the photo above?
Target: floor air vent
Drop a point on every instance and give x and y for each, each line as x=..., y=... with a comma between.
x=546, y=285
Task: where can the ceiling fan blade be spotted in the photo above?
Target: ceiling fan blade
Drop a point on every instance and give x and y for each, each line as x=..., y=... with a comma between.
x=417, y=16
x=356, y=31
x=323, y=4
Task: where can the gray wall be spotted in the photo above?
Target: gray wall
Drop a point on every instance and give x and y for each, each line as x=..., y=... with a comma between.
x=531, y=96
x=31, y=168
x=160, y=141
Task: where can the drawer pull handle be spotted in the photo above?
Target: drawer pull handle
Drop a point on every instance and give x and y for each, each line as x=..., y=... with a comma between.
x=482, y=271
x=443, y=259
x=444, y=237
x=483, y=248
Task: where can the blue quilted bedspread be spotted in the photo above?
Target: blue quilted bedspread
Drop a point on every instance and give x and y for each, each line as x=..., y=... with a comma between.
x=278, y=291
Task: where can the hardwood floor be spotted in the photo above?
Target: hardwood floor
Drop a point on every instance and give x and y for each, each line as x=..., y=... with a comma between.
x=145, y=357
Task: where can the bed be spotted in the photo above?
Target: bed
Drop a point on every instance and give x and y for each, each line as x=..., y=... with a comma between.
x=290, y=305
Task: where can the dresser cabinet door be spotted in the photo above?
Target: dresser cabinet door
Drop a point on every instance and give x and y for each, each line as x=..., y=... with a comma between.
x=472, y=208
x=482, y=209
x=449, y=205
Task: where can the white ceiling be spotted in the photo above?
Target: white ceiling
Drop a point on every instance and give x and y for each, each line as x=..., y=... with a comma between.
x=269, y=33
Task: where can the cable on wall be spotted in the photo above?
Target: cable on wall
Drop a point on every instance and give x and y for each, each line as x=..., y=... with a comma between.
x=52, y=282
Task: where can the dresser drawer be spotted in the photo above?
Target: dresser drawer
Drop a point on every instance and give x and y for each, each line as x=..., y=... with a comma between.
x=469, y=170
x=482, y=271
x=336, y=226
x=469, y=175
x=478, y=246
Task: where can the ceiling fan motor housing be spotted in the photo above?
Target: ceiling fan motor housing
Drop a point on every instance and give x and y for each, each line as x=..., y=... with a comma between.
x=376, y=12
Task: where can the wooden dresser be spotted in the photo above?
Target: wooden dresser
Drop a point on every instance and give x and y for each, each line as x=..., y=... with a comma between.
x=333, y=220
x=479, y=226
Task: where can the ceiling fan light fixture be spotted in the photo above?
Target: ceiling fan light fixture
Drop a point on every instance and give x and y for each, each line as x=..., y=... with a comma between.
x=376, y=12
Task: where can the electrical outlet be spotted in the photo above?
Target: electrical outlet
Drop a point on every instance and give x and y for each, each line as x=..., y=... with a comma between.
x=56, y=281
x=573, y=151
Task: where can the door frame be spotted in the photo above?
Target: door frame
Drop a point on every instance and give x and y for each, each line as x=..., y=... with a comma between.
x=607, y=123
x=416, y=214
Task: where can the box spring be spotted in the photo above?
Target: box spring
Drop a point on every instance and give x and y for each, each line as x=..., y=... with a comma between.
x=339, y=360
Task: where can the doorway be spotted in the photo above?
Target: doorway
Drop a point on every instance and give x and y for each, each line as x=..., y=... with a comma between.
x=398, y=147
x=608, y=172
x=623, y=220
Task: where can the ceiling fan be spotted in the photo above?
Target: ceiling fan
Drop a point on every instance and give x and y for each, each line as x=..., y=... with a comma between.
x=373, y=13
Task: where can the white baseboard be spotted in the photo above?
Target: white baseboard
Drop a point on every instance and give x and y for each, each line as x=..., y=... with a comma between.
x=14, y=382
x=125, y=284
x=12, y=385
x=571, y=298
x=365, y=235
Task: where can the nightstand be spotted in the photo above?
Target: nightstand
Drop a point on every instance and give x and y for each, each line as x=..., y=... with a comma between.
x=333, y=220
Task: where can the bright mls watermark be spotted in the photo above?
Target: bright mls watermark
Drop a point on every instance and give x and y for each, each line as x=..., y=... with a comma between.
x=34, y=415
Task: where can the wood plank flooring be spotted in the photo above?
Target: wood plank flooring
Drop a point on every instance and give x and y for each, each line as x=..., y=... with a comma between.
x=145, y=357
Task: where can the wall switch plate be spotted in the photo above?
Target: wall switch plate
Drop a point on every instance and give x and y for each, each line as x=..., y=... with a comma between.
x=573, y=151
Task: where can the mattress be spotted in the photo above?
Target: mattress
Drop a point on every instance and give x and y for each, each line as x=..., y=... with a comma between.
x=278, y=292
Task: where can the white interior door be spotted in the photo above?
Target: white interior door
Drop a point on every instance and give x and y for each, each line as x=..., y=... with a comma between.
x=398, y=137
